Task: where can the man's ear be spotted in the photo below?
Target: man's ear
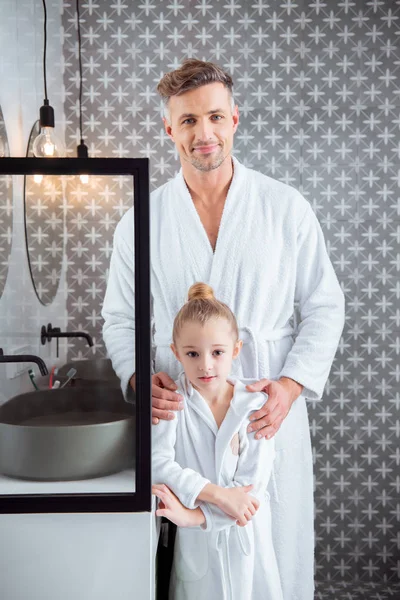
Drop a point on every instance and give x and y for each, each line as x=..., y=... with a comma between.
x=235, y=118
x=168, y=128
x=175, y=351
x=237, y=348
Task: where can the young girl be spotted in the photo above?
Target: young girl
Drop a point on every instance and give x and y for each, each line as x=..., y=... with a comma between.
x=210, y=475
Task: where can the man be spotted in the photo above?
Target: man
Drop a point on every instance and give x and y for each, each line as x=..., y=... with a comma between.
x=258, y=244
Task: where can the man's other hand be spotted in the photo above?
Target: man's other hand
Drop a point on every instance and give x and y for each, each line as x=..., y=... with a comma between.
x=164, y=398
x=281, y=395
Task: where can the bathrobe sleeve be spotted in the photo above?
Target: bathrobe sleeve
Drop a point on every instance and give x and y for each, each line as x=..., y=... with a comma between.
x=254, y=466
x=184, y=482
x=118, y=309
x=321, y=305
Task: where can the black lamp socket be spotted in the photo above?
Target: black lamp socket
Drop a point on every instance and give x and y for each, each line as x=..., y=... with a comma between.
x=82, y=151
x=46, y=115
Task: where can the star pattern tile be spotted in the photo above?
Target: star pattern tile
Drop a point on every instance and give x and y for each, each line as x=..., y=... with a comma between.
x=317, y=86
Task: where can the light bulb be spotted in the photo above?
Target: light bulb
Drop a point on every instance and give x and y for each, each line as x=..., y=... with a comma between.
x=84, y=178
x=47, y=144
x=38, y=178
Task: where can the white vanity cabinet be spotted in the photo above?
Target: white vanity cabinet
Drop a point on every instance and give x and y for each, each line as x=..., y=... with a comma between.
x=100, y=556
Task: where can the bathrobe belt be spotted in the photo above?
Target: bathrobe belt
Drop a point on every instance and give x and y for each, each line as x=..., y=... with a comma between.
x=254, y=352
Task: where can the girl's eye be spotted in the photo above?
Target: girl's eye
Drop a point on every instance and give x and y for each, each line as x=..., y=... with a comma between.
x=218, y=352
x=192, y=354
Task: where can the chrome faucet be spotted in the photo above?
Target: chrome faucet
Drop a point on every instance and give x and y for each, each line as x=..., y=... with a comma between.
x=20, y=358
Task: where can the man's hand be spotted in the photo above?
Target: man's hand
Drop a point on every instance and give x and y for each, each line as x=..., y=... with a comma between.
x=281, y=395
x=172, y=508
x=163, y=397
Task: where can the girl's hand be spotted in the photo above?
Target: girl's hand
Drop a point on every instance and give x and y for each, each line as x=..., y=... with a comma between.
x=171, y=507
x=237, y=503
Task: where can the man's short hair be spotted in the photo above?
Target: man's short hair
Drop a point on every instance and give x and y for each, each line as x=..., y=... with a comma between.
x=192, y=74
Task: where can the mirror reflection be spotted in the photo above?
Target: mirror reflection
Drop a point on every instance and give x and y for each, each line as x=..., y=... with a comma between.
x=44, y=199
x=73, y=431
x=6, y=209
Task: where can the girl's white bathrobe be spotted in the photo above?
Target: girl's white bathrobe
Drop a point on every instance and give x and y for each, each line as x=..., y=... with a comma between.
x=270, y=254
x=219, y=560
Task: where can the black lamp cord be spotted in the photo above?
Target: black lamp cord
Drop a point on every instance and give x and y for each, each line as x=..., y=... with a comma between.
x=80, y=70
x=46, y=101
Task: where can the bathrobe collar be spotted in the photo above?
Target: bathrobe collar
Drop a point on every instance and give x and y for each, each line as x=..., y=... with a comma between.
x=206, y=260
x=243, y=402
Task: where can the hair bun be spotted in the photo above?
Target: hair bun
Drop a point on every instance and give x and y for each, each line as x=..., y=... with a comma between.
x=200, y=291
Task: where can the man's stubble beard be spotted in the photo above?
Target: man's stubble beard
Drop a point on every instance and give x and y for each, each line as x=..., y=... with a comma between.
x=216, y=162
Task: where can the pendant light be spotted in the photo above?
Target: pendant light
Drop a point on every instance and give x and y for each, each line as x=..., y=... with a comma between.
x=47, y=144
x=82, y=149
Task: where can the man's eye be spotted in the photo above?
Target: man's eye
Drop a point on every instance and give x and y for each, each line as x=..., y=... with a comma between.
x=217, y=117
x=187, y=121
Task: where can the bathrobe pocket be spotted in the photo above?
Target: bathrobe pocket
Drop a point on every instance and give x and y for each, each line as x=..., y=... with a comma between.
x=246, y=538
x=191, y=556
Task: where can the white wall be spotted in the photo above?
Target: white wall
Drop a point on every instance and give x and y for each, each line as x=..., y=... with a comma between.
x=21, y=95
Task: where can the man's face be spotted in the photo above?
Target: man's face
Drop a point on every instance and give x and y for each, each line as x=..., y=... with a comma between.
x=202, y=125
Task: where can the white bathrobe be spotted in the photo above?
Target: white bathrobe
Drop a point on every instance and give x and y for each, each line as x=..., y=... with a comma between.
x=220, y=560
x=270, y=254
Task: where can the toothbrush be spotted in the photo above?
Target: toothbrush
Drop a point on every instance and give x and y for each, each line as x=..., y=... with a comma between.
x=71, y=373
x=53, y=372
x=32, y=378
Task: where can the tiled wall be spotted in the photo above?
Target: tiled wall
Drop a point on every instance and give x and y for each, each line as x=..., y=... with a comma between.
x=317, y=87
x=21, y=95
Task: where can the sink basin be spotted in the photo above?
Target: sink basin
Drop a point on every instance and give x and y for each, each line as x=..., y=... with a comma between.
x=90, y=374
x=99, y=369
x=42, y=382
x=66, y=434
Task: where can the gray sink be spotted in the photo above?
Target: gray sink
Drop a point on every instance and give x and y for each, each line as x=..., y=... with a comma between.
x=42, y=381
x=89, y=373
x=99, y=369
x=66, y=434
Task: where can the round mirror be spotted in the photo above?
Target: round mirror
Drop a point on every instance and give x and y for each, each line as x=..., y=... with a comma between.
x=6, y=209
x=44, y=228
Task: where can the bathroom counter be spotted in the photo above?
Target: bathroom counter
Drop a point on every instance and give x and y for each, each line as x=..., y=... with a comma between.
x=123, y=482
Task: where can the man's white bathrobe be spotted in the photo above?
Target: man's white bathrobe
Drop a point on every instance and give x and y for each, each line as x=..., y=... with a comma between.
x=220, y=560
x=270, y=253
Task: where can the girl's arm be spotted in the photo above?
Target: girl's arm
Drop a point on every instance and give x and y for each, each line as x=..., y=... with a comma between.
x=185, y=483
x=254, y=467
x=171, y=507
x=193, y=490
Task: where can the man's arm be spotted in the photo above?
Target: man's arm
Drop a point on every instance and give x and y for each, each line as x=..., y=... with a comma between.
x=119, y=323
x=321, y=304
x=309, y=361
x=118, y=309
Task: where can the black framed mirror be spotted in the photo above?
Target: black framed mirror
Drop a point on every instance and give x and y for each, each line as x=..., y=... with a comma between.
x=44, y=214
x=6, y=209
x=123, y=491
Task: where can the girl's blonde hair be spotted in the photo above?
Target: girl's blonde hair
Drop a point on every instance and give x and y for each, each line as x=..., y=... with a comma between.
x=201, y=307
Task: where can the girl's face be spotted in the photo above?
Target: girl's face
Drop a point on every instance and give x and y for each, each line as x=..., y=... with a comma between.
x=206, y=352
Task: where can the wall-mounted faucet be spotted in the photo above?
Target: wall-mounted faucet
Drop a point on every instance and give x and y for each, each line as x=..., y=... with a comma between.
x=20, y=358
x=46, y=335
